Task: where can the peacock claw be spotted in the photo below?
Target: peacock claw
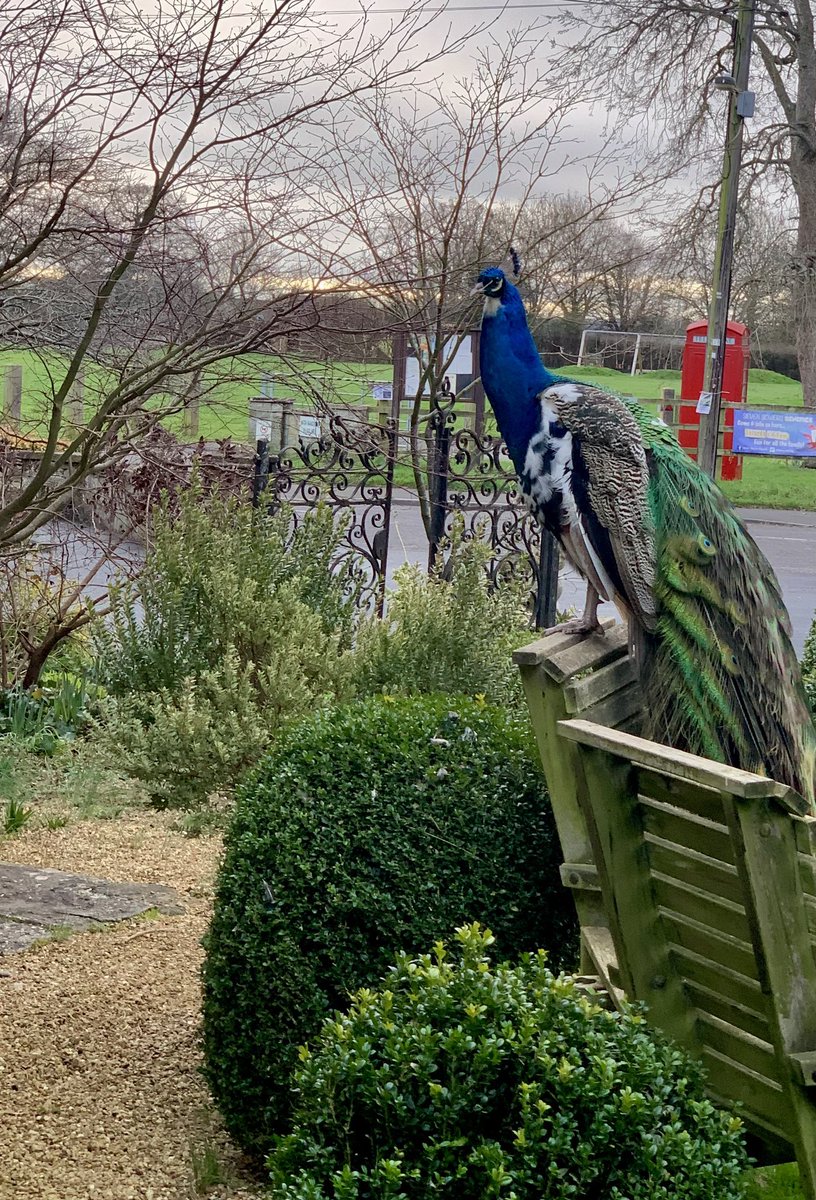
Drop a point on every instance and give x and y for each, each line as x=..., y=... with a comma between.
x=578, y=625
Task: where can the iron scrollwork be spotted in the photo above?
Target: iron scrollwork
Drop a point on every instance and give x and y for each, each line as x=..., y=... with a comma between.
x=350, y=468
x=483, y=489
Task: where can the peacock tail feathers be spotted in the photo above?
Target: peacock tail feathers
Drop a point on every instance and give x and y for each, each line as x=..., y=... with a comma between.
x=720, y=674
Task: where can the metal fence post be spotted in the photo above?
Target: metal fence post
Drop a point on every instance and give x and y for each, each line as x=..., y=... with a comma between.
x=438, y=464
x=260, y=476
x=547, y=591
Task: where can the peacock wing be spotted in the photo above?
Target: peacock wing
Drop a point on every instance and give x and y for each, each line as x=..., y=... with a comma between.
x=610, y=482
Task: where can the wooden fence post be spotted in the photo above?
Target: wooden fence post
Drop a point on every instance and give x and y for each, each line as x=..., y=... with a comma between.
x=76, y=400
x=13, y=396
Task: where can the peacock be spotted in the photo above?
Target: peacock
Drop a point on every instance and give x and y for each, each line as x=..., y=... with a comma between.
x=649, y=530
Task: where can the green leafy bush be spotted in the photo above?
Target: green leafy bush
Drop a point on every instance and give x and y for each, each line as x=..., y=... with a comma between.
x=236, y=625
x=220, y=576
x=57, y=709
x=372, y=826
x=462, y=1079
x=809, y=667
x=447, y=632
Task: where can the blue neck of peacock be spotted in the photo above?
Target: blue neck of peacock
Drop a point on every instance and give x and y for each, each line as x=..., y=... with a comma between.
x=512, y=372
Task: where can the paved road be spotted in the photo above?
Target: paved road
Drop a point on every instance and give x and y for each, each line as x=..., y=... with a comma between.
x=788, y=539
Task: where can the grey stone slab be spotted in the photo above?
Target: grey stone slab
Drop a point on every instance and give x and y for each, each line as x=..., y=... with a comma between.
x=19, y=935
x=34, y=900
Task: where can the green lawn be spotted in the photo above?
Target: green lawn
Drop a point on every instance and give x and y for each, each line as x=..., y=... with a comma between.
x=229, y=386
x=766, y=389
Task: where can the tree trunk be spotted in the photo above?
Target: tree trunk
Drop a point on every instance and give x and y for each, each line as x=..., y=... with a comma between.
x=804, y=272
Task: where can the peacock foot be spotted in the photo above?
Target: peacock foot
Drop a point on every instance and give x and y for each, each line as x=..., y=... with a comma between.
x=578, y=625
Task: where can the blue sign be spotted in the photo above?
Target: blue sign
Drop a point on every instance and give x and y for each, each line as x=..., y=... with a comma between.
x=775, y=432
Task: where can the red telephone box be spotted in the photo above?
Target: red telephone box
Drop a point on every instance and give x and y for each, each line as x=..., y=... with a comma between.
x=734, y=389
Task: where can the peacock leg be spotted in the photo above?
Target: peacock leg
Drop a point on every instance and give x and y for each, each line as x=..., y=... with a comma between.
x=587, y=623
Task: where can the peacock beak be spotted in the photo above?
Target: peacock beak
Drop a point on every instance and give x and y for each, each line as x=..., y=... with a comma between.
x=478, y=290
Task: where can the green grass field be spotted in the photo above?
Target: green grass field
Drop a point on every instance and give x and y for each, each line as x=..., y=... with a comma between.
x=766, y=389
x=229, y=387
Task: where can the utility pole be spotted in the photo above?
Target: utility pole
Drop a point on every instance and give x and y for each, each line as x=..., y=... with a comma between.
x=740, y=106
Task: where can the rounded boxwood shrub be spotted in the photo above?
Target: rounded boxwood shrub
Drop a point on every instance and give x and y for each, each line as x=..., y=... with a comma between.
x=461, y=1079
x=373, y=827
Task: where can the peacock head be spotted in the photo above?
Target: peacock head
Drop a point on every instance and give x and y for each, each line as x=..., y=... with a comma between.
x=491, y=283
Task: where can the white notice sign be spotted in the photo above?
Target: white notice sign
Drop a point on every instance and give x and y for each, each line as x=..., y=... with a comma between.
x=263, y=430
x=309, y=427
x=704, y=403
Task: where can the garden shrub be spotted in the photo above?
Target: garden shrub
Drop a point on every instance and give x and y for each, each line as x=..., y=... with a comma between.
x=371, y=827
x=220, y=577
x=448, y=632
x=237, y=624
x=468, y=1080
x=809, y=667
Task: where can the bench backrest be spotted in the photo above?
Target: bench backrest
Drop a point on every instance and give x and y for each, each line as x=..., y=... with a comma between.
x=695, y=885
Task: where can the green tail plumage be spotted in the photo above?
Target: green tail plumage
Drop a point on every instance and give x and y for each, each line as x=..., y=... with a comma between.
x=720, y=674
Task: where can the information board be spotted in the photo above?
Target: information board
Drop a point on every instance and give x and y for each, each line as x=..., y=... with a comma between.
x=774, y=432
x=308, y=427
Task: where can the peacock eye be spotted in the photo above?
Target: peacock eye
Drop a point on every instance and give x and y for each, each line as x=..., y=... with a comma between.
x=706, y=545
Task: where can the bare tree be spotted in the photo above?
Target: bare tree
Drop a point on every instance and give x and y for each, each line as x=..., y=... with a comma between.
x=761, y=293
x=657, y=62
x=153, y=220
x=427, y=191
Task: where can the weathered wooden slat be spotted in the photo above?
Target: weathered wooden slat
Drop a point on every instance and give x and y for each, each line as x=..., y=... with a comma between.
x=689, y=866
x=686, y=829
x=805, y=830
x=765, y=847
x=562, y=767
x=732, y=986
x=804, y=1068
x=712, y=1001
x=550, y=646
x=601, y=952
x=676, y=762
x=680, y=793
x=612, y=812
x=753, y=1052
x=581, y=694
x=722, y=915
x=807, y=873
x=739, y=1084
x=574, y=654
x=709, y=943
x=776, y=1143
x=580, y=875
x=616, y=711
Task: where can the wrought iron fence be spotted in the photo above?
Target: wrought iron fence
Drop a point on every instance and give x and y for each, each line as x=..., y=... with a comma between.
x=351, y=468
x=477, y=482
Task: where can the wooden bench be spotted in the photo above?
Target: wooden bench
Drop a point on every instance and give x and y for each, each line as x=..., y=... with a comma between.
x=695, y=886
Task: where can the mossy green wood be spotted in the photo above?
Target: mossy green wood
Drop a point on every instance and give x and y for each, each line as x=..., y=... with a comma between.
x=707, y=877
x=547, y=668
x=608, y=794
x=765, y=841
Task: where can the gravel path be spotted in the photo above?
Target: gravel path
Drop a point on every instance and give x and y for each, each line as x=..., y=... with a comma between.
x=100, y=1096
